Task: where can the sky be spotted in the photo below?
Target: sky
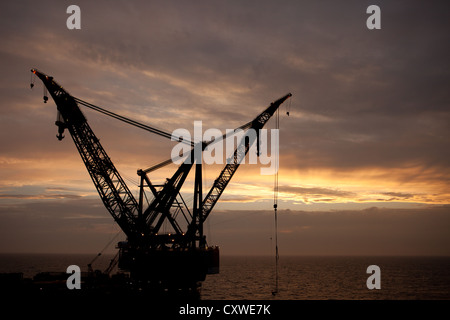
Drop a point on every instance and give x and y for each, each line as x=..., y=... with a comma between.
x=364, y=152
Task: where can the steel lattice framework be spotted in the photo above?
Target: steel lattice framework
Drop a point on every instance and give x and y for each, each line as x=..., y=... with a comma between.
x=146, y=243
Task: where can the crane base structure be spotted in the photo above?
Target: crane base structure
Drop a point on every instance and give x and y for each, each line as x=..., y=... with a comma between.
x=165, y=247
x=170, y=269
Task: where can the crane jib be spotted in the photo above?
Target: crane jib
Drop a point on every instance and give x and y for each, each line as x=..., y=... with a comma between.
x=113, y=191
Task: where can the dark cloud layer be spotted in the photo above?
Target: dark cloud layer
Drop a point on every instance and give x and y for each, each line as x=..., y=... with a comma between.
x=373, y=231
x=314, y=191
x=385, y=93
x=61, y=226
x=73, y=226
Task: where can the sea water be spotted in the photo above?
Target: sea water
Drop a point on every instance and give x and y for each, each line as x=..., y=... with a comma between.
x=299, y=277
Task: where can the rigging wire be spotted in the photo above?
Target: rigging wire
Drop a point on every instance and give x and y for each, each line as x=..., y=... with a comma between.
x=130, y=179
x=154, y=130
x=130, y=121
x=288, y=107
x=101, y=252
x=45, y=94
x=179, y=157
x=32, y=80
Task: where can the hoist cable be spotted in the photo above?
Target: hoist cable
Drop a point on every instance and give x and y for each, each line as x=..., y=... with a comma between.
x=132, y=122
x=275, y=206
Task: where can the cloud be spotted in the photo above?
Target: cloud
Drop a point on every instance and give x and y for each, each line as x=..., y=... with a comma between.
x=239, y=199
x=39, y=196
x=372, y=231
x=369, y=114
x=316, y=192
x=60, y=225
x=398, y=195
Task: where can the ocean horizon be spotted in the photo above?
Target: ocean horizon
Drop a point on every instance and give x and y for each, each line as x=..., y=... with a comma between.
x=299, y=277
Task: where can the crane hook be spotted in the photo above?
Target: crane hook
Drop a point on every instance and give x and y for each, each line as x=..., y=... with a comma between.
x=61, y=126
x=32, y=81
x=45, y=95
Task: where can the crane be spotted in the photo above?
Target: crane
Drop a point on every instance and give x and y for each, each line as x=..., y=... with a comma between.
x=155, y=258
